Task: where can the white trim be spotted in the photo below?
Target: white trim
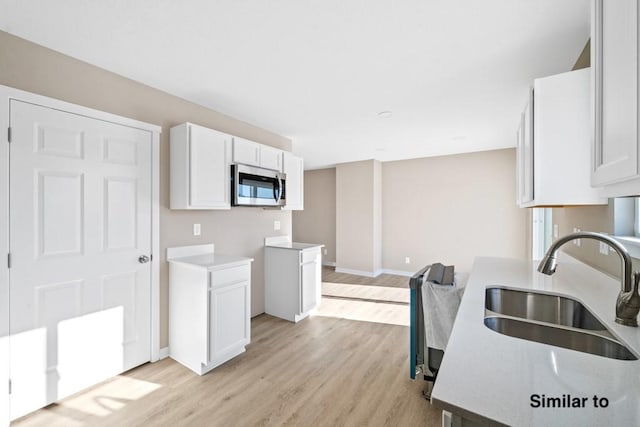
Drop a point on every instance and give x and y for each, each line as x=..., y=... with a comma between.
x=45, y=101
x=329, y=263
x=359, y=272
x=155, y=246
x=163, y=353
x=398, y=272
x=370, y=273
x=4, y=250
x=8, y=93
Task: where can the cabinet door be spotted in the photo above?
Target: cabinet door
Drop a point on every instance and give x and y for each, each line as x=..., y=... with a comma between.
x=229, y=319
x=294, y=168
x=209, y=163
x=308, y=285
x=246, y=152
x=527, y=153
x=614, y=55
x=270, y=158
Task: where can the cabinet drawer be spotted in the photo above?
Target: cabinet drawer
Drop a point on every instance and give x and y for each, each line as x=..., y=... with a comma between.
x=230, y=275
x=308, y=256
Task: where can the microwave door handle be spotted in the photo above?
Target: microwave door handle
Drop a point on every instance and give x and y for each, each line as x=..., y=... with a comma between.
x=279, y=194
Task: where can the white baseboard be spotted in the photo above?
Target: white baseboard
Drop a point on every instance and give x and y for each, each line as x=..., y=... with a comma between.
x=329, y=263
x=359, y=272
x=164, y=353
x=374, y=273
x=398, y=272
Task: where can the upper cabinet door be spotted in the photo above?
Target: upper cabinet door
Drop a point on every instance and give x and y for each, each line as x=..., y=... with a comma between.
x=200, y=161
x=246, y=152
x=614, y=56
x=209, y=168
x=270, y=158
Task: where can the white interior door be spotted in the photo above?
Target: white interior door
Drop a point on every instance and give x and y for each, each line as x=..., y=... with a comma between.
x=80, y=219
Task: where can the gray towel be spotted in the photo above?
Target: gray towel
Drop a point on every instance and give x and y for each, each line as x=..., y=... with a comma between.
x=440, y=274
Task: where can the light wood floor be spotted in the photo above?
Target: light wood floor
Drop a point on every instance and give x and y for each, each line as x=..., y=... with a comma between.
x=329, y=275
x=328, y=370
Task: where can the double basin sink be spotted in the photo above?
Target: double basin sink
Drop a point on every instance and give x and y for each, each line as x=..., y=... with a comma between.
x=550, y=319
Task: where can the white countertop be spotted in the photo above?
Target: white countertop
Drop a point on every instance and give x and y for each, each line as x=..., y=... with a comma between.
x=294, y=245
x=211, y=261
x=494, y=375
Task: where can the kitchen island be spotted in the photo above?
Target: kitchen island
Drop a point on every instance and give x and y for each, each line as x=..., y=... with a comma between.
x=490, y=378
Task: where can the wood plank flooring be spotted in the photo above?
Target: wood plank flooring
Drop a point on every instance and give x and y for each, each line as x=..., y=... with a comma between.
x=390, y=280
x=328, y=370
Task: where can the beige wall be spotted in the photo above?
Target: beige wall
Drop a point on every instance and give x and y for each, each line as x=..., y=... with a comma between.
x=588, y=218
x=451, y=209
x=317, y=222
x=240, y=231
x=357, y=215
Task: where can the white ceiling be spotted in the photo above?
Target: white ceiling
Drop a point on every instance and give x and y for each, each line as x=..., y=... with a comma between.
x=454, y=72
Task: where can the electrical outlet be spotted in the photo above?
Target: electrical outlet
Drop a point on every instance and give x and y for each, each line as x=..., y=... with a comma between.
x=407, y=260
x=196, y=229
x=577, y=242
x=276, y=225
x=555, y=231
x=324, y=251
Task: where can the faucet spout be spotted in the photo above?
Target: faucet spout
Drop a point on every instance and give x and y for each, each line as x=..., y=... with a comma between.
x=628, y=302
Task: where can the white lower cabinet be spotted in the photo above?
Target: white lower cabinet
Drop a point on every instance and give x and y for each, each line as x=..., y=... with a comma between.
x=209, y=309
x=293, y=279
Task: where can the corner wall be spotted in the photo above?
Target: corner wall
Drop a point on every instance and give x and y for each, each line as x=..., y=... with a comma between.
x=317, y=222
x=358, y=213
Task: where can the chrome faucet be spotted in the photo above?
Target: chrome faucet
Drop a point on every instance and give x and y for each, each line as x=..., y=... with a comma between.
x=628, y=302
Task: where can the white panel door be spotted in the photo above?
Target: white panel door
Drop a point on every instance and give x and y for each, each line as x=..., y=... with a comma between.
x=80, y=219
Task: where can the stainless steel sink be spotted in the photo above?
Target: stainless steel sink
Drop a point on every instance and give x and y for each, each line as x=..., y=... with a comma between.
x=560, y=337
x=550, y=319
x=549, y=308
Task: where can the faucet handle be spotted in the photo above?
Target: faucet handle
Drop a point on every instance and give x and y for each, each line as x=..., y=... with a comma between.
x=628, y=304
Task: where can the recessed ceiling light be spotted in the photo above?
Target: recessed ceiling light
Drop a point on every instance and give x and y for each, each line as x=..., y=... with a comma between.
x=459, y=137
x=385, y=114
x=380, y=149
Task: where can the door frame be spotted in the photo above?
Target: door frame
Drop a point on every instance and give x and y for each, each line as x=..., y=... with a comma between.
x=6, y=95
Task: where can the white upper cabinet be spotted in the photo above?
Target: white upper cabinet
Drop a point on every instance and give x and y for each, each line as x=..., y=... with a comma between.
x=252, y=153
x=554, y=143
x=271, y=158
x=294, y=168
x=246, y=152
x=200, y=160
x=614, y=58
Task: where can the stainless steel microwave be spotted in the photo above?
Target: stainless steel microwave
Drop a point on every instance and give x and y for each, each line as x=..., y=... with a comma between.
x=253, y=186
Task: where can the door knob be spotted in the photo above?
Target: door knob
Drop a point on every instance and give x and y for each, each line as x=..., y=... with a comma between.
x=143, y=259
